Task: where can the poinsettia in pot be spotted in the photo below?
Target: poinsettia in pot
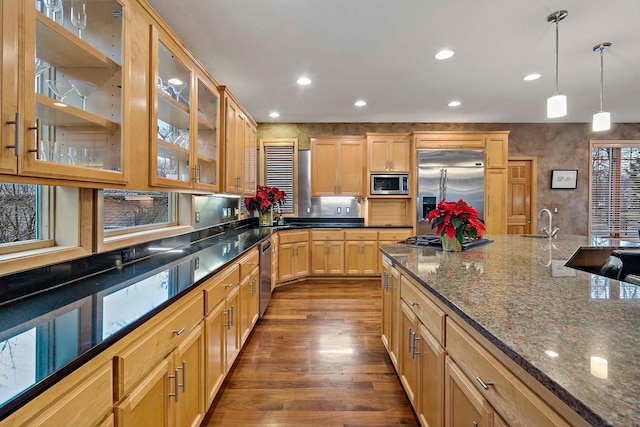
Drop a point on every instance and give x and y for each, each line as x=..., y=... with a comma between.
x=265, y=199
x=455, y=221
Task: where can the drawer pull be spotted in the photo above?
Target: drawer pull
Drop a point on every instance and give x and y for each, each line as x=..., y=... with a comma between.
x=412, y=303
x=485, y=385
x=184, y=376
x=475, y=424
x=178, y=331
x=228, y=285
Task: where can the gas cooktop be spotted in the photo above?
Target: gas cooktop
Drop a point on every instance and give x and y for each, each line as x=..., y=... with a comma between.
x=436, y=241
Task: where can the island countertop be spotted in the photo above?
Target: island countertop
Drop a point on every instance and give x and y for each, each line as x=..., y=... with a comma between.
x=517, y=293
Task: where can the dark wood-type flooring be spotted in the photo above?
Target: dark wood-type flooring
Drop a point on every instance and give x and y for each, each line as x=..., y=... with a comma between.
x=315, y=358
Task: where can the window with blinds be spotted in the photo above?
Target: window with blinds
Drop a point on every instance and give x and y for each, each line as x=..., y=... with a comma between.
x=615, y=189
x=279, y=171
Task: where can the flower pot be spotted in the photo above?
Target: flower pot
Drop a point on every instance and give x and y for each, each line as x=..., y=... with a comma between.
x=451, y=245
x=264, y=218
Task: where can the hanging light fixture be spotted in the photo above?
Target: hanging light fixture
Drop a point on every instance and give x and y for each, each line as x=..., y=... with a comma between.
x=557, y=104
x=602, y=119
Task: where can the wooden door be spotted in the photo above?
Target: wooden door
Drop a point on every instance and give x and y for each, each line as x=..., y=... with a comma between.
x=369, y=258
x=464, y=405
x=232, y=339
x=394, y=334
x=250, y=155
x=150, y=403
x=351, y=168
x=335, y=258
x=301, y=259
x=285, y=261
x=496, y=151
x=386, y=306
x=400, y=154
x=495, y=213
x=9, y=85
x=214, y=328
x=231, y=182
x=352, y=257
x=189, y=366
x=324, y=168
x=240, y=147
x=519, y=197
x=319, y=257
x=432, y=355
x=409, y=369
x=246, y=288
x=378, y=149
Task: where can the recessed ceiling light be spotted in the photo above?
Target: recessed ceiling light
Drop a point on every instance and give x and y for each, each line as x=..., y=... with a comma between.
x=274, y=114
x=360, y=103
x=174, y=81
x=445, y=54
x=533, y=76
x=304, y=81
x=454, y=104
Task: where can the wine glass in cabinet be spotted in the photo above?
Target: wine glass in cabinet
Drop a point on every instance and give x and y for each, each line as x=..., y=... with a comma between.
x=75, y=134
x=171, y=139
x=207, y=152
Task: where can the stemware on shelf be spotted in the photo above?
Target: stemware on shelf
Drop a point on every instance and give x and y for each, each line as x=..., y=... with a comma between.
x=79, y=15
x=41, y=66
x=176, y=86
x=83, y=89
x=60, y=88
x=53, y=7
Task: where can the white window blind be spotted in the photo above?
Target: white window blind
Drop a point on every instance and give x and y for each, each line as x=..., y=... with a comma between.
x=279, y=171
x=615, y=189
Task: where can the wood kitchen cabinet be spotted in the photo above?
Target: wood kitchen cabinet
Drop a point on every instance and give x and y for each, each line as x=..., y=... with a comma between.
x=73, y=94
x=391, y=312
x=361, y=251
x=496, y=151
x=464, y=405
x=495, y=200
x=293, y=255
x=239, y=148
x=327, y=251
x=388, y=153
x=249, y=298
x=337, y=166
x=207, y=150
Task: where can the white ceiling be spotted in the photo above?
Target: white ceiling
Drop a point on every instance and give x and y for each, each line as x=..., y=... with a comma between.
x=382, y=51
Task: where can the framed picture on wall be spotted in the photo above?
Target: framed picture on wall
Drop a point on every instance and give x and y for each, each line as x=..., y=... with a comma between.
x=564, y=179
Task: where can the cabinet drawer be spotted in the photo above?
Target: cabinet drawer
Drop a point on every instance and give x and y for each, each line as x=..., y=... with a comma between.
x=134, y=362
x=428, y=313
x=360, y=235
x=294, y=237
x=249, y=262
x=327, y=234
x=394, y=235
x=219, y=286
x=515, y=402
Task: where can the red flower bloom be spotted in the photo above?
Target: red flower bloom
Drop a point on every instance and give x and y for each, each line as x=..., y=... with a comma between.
x=265, y=198
x=456, y=219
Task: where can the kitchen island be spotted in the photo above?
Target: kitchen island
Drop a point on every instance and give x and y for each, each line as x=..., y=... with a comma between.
x=550, y=321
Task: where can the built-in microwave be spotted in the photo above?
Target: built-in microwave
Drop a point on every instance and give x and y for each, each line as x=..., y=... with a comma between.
x=389, y=184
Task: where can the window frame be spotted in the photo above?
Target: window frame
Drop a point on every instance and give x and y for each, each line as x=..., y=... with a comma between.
x=287, y=142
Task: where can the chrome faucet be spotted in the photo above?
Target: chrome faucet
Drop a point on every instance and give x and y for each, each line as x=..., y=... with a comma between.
x=550, y=230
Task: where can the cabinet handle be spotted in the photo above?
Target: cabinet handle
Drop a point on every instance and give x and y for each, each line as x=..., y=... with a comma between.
x=37, y=139
x=412, y=303
x=414, y=352
x=178, y=331
x=175, y=385
x=231, y=317
x=253, y=286
x=488, y=205
x=410, y=340
x=385, y=281
x=475, y=424
x=17, y=135
x=226, y=313
x=184, y=376
x=485, y=384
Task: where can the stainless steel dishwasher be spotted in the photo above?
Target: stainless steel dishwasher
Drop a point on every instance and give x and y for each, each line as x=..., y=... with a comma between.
x=265, y=275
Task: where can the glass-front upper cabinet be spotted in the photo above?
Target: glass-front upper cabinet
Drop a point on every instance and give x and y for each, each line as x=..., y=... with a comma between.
x=9, y=26
x=73, y=68
x=171, y=154
x=207, y=153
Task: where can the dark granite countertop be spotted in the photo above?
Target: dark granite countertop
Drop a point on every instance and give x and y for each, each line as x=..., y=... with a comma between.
x=576, y=332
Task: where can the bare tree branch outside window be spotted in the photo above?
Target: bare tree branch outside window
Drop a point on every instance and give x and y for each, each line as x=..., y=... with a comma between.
x=18, y=212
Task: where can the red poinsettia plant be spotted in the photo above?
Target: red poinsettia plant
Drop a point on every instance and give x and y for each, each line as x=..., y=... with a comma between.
x=456, y=219
x=265, y=198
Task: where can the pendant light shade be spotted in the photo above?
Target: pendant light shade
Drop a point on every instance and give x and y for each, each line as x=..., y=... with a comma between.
x=602, y=119
x=557, y=104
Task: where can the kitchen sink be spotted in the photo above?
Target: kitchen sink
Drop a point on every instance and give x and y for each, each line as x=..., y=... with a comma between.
x=612, y=262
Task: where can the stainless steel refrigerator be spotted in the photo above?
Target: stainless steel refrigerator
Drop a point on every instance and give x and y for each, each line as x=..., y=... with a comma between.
x=450, y=175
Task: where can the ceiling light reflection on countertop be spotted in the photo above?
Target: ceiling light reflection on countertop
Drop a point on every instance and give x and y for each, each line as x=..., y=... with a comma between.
x=532, y=76
x=445, y=54
x=551, y=354
x=274, y=114
x=360, y=103
x=454, y=104
x=304, y=81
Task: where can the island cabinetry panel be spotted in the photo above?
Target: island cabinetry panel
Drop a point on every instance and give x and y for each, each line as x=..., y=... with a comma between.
x=293, y=255
x=337, y=166
x=361, y=251
x=388, y=153
x=515, y=401
x=327, y=251
x=74, y=93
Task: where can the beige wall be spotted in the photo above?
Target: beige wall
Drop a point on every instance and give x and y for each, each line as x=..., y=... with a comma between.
x=557, y=146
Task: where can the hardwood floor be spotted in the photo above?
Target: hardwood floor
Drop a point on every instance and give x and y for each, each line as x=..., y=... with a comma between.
x=315, y=358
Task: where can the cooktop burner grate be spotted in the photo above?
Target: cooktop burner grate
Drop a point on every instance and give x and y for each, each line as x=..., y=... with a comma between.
x=436, y=241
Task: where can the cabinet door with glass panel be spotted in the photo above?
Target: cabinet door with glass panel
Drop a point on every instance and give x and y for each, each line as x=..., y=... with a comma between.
x=75, y=89
x=171, y=115
x=207, y=150
x=10, y=116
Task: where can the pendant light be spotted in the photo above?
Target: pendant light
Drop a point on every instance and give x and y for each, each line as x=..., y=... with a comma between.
x=557, y=104
x=602, y=119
